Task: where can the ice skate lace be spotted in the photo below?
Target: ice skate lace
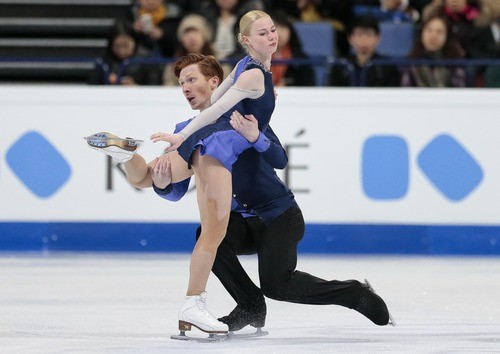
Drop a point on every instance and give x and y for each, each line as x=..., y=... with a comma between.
x=202, y=305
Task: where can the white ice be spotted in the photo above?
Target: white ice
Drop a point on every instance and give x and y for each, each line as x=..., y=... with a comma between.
x=127, y=303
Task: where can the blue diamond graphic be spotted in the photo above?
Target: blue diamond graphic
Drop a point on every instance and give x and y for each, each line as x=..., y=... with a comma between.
x=450, y=168
x=385, y=167
x=38, y=165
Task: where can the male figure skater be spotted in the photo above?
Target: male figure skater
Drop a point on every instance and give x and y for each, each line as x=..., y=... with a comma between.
x=266, y=220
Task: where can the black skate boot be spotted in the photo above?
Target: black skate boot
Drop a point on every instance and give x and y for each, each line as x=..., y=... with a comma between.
x=373, y=306
x=240, y=317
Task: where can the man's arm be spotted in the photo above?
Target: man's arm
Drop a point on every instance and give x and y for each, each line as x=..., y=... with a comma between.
x=174, y=191
x=161, y=176
x=266, y=143
x=275, y=155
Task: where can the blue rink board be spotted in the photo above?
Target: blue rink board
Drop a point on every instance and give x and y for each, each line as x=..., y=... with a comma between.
x=319, y=238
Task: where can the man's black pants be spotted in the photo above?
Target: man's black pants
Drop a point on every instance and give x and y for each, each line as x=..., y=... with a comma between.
x=276, y=247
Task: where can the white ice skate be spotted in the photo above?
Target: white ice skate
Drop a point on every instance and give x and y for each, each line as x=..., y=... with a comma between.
x=194, y=313
x=120, y=149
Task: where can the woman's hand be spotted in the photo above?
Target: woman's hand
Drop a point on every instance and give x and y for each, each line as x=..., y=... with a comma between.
x=247, y=126
x=175, y=140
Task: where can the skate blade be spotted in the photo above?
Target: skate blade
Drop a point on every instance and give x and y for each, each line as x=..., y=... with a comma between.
x=391, y=319
x=212, y=338
x=258, y=333
x=104, y=140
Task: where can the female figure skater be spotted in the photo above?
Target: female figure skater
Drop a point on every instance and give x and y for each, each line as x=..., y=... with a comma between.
x=211, y=149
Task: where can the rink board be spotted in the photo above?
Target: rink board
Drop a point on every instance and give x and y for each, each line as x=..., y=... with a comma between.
x=173, y=237
x=374, y=171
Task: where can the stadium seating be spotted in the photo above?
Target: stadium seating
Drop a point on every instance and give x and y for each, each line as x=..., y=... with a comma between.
x=396, y=39
x=73, y=31
x=318, y=39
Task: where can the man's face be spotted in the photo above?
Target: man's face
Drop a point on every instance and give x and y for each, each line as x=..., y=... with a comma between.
x=364, y=41
x=196, y=87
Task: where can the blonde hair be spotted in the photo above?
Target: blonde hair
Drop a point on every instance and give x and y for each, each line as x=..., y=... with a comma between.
x=246, y=22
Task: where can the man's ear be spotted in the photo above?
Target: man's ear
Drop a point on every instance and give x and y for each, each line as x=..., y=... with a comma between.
x=214, y=82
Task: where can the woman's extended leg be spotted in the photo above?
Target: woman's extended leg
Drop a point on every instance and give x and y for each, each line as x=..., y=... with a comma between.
x=138, y=172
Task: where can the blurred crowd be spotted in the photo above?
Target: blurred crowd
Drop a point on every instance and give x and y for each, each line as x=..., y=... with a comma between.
x=443, y=30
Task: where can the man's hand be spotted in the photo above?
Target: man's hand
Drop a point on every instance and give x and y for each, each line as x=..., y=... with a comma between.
x=175, y=140
x=161, y=172
x=247, y=126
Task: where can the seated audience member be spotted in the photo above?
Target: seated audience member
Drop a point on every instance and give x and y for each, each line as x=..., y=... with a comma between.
x=389, y=10
x=223, y=16
x=470, y=22
x=492, y=74
x=419, y=5
x=289, y=47
x=364, y=36
x=195, y=37
x=434, y=43
x=156, y=22
x=122, y=45
x=337, y=12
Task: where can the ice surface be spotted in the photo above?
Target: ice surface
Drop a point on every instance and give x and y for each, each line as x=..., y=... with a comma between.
x=127, y=303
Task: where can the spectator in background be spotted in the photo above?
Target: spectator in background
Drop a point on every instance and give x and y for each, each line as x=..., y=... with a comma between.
x=337, y=12
x=223, y=16
x=492, y=74
x=289, y=47
x=122, y=45
x=470, y=22
x=434, y=43
x=389, y=10
x=364, y=36
x=400, y=8
x=195, y=37
x=419, y=5
x=156, y=22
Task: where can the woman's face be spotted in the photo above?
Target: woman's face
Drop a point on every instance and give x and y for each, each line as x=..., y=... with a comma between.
x=263, y=37
x=193, y=41
x=227, y=5
x=456, y=5
x=434, y=35
x=123, y=46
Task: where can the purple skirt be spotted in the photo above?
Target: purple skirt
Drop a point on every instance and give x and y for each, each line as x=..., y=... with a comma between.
x=223, y=145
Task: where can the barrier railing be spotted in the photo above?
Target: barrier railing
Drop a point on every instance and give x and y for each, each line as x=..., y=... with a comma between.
x=327, y=63
x=405, y=63
x=323, y=63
